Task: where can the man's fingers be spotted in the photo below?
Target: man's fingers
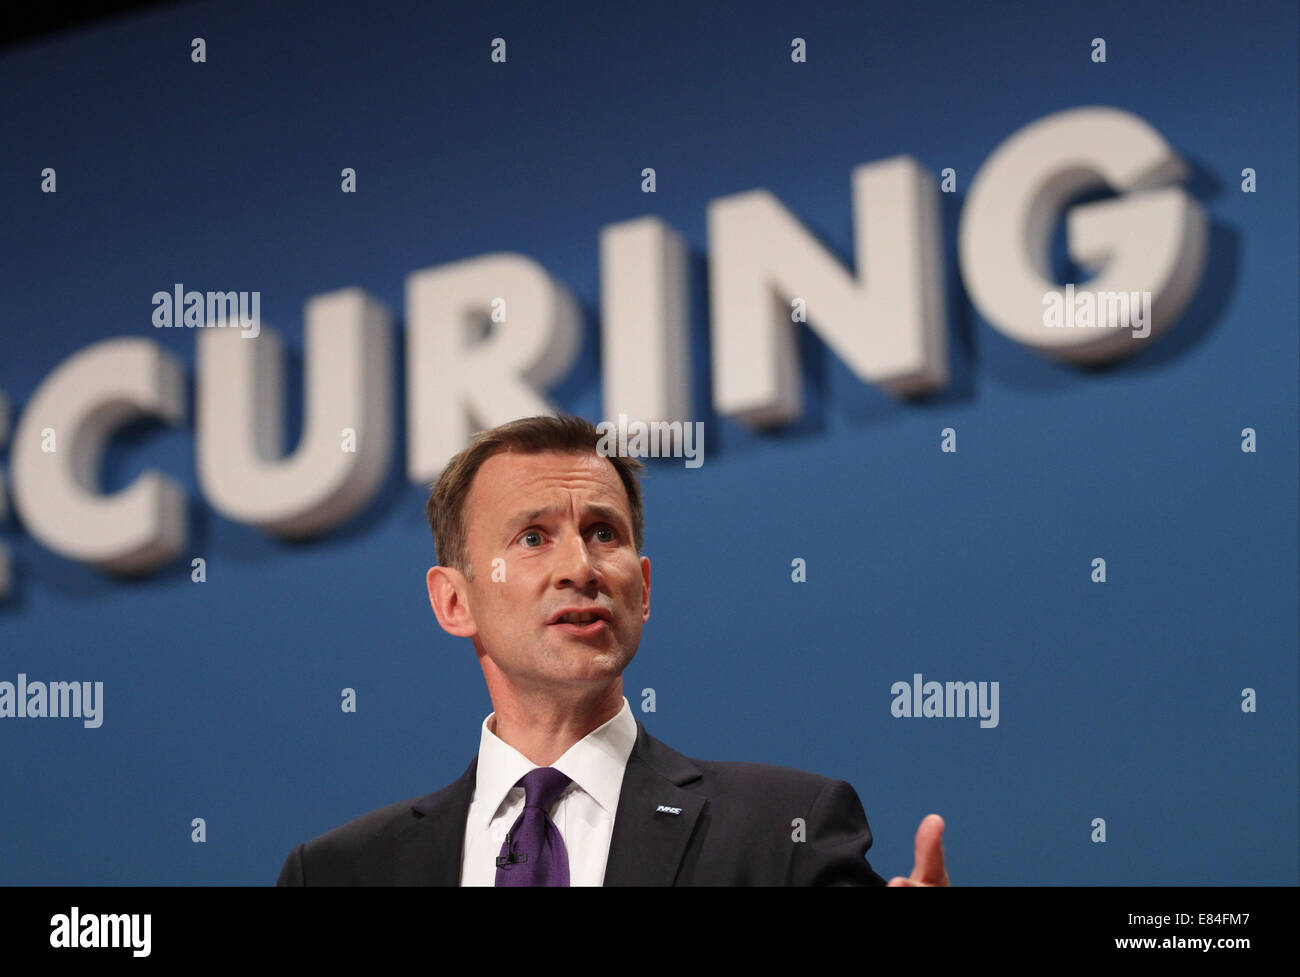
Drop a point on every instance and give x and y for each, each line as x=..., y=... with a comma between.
x=929, y=867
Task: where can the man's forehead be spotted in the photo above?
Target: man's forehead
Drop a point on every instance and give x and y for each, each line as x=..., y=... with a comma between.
x=511, y=480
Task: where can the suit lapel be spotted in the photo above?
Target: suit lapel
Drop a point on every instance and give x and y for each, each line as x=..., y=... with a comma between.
x=648, y=845
x=646, y=848
x=433, y=839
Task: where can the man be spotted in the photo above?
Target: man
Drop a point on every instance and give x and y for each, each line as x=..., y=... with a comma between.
x=539, y=537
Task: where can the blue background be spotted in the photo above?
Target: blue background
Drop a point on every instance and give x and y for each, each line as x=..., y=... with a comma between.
x=1119, y=701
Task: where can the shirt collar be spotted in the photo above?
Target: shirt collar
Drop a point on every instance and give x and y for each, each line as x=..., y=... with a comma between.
x=595, y=763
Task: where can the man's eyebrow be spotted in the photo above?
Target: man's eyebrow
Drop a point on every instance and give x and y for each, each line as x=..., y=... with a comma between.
x=593, y=508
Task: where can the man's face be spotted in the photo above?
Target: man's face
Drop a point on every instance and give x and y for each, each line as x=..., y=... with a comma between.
x=547, y=532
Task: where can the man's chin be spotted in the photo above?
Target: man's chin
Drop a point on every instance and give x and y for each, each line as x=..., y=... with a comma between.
x=578, y=664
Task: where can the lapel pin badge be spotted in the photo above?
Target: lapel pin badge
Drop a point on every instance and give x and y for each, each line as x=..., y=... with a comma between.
x=665, y=809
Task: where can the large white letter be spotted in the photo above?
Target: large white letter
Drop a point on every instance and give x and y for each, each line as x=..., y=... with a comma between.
x=1148, y=240
x=347, y=385
x=74, y=412
x=644, y=318
x=6, y=565
x=459, y=380
x=887, y=325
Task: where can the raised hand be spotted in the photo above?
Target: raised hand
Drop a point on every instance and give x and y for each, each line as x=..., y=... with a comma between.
x=928, y=870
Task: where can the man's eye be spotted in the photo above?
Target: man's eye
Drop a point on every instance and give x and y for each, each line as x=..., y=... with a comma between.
x=531, y=535
x=610, y=532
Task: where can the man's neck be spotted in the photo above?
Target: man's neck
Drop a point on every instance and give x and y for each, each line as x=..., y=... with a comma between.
x=543, y=729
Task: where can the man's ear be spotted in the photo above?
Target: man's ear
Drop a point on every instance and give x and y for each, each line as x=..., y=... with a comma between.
x=645, y=594
x=448, y=596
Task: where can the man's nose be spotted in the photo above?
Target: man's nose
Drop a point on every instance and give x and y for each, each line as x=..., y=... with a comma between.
x=574, y=565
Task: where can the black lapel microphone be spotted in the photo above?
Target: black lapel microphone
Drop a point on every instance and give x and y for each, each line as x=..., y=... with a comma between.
x=511, y=857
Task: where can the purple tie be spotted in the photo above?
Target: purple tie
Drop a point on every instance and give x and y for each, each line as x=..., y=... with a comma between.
x=534, y=852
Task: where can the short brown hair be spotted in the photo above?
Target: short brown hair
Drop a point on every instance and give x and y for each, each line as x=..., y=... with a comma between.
x=528, y=435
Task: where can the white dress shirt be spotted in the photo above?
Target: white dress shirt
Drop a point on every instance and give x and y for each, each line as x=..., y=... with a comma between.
x=584, y=813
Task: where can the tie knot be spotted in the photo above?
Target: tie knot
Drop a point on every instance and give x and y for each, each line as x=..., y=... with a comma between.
x=542, y=787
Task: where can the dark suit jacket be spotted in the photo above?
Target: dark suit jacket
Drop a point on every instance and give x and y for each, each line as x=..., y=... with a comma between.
x=736, y=827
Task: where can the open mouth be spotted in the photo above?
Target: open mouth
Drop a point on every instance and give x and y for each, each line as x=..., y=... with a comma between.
x=582, y=624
